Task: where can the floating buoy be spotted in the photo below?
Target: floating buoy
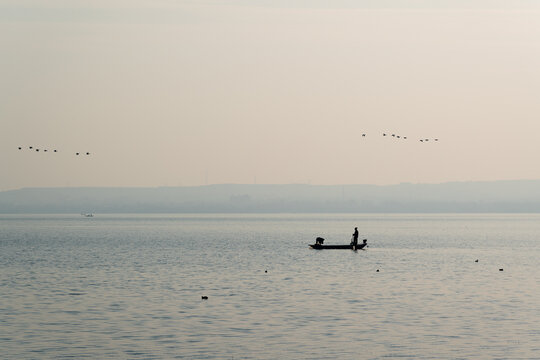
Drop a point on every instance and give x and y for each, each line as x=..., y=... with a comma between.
x=204, y=297
x=377, y=270
x=501, y=269
x=476, y=260
x=265, y=271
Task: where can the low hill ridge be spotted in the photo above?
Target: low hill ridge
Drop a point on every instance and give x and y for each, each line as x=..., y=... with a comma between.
x=496, y=196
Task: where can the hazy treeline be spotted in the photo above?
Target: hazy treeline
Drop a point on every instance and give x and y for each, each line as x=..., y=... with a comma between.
x=498, y=196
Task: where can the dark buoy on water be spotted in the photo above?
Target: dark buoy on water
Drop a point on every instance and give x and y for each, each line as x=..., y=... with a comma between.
x=501, y=269
x=476, y=260
x=377, y=270
x=265, y=271
x=204, y=297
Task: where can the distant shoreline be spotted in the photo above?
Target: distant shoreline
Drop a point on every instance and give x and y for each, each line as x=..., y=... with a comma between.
x=518, y=196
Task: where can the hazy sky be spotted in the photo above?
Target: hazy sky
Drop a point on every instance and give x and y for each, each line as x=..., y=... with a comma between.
x=167, y=93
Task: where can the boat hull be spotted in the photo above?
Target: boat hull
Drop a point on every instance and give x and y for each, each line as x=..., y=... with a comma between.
x=336, y=247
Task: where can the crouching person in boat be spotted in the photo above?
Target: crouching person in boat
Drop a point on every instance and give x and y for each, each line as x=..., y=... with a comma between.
x=319, y=241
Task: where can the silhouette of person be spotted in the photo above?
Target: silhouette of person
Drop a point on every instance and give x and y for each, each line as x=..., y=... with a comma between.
x=355, y=236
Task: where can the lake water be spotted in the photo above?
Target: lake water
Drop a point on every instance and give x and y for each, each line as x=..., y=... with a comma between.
x=130, y=287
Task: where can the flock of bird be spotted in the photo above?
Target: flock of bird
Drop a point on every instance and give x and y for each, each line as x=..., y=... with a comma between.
x=363, y=135
x=402, y=137
x=46, y=150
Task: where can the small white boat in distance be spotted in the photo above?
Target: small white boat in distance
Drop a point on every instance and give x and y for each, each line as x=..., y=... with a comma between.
x=87, y=215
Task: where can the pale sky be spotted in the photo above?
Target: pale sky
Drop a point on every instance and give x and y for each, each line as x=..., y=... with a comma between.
x=168, y=93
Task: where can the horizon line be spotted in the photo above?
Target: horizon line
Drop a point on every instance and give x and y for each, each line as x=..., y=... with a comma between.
x=267, y=184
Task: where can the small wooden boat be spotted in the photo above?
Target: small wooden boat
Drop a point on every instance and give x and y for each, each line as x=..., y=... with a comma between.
x=338, y=247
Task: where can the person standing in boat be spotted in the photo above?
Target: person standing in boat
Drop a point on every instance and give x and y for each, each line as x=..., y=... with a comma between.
x=355, y=237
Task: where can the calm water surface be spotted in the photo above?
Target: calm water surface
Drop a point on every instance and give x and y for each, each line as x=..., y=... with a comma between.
x=130, y=286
